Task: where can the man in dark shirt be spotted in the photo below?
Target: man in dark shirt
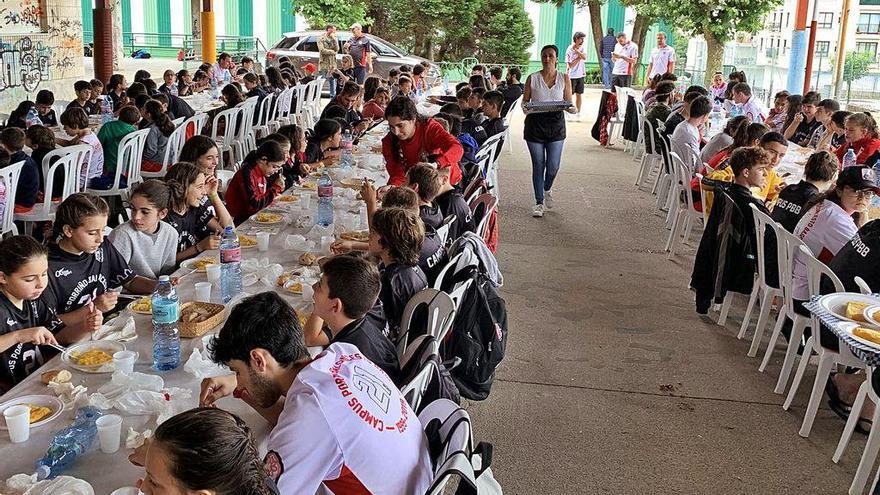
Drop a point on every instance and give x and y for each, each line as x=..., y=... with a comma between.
x=805, y=123
x=344, y=102
x=607, y=48
x=512, y=90
x=493, y=101
x=359, y=48
x=347, y=291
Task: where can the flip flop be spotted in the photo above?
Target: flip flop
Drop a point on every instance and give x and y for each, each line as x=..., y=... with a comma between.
x=834, y=400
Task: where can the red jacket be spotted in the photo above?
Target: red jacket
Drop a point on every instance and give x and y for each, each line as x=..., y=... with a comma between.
x=249, y=192
x=430, y=139
x=864, y=149
x=372, y=110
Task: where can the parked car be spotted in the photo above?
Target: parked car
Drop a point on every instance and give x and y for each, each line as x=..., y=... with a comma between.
x=302, y=47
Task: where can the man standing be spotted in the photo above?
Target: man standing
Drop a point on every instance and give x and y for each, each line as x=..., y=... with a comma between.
x=625, y=55
x=607, y=49
x=662, y=58
x=359, y=48
x=328, y=46
x=574, y=59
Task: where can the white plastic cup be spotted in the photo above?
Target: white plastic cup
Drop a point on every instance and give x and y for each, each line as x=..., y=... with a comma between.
x=124, y=361
x=213, y=272
x=109, y=432
x=263, y=241
x=304, y=201
x=18, y=422
x=126, y=490
x=203, y=291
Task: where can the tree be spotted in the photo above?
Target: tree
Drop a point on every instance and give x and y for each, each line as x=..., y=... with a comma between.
x=503, y=34
x=855, y=66
x=319, y=13
x=716, y=21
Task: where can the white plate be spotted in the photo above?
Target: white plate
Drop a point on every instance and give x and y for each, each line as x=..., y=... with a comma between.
x=52, y=403
x=871, y=312
x=107, y=346
x=132, y=304
x=190, y=264
x=849, y=327
x=836, y=303
x=279, y=220
x=249, y=237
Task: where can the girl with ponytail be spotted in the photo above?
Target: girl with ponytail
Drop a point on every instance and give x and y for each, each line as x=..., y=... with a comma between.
x=161, y=127
x=196, y=211
x=861, y=137
x=257, y=182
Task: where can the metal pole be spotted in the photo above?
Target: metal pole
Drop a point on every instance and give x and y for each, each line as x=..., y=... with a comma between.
x=841, y=47
x=102, y=19
x=797, y=62
x=811, y=48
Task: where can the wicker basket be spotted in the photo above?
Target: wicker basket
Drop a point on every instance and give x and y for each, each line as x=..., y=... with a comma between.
x=197, y=329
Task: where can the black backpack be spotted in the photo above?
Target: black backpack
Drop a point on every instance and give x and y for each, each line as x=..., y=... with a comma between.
x=478, y=336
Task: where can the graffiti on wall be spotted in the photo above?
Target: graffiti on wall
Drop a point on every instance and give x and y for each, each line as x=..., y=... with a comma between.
x=65, y=38
x=23, y=64
x=23, y=15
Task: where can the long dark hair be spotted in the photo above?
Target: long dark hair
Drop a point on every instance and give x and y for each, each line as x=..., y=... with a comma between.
x=795, y=102
x=155, y=191
x=734, y=124
x=158, y=117
x=273, y=76
x=268, y=150
x=114, y=82
x=370, y=86
x=179, y=177
x=17, y=251
x=233, y=95
x=324, y=129
x=21, y=110
x=405, y=109
x=211, y=449
x=195, y=147
x=75, y=209
x=747, y=134
x=292, y=132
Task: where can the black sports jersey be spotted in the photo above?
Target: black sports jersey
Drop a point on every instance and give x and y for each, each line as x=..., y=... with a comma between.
x=399, y=283
x=77, y=279
x=789, y=207
x=192, y=226
x=453, y=203
x=21, y=360
x=490, y=127
x=804, y=131
x=431, y=215
x=370, y=339
x=860, y=257
x=89, y=107
x=432, y=257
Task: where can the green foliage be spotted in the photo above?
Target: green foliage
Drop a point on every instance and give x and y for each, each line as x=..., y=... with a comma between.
x=504, y=33
x=319, y=13
x=855, y=66
x=721, y=19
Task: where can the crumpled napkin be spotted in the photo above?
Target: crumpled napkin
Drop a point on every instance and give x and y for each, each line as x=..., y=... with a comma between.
x=24, y=484
x=68, y=393
x=260, y=271
x=135, y=438
x=202, y=367
x=318, y=231
x=296, y=242
x=120, y=329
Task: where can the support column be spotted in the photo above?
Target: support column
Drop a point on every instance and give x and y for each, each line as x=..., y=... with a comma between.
x=841, y=47
x=811, y=49
x=798, y=60
x=118, y=50
x=209, y=34
x=102, y=18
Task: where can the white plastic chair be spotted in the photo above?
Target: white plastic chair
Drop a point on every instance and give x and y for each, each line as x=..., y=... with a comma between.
x=761, y=290
x=172, y=152
x=197, y=122
x=440, y=315
x=425, y=357
x=620, y=116
x=224, y=176
x=456, y=264
x=664, y=179
x=60, y=106
x=487, y=203
x=244, y=140
x=128, y=164
x=261, y=129
x=828, y=359
x=649, y=159
x=299, y=109
x=788, y=245
x=686, y=215
x=872, y=446
x=73, y=168
x=507, y=119
x=226, y=141
x=640, y=139
x=862, y=285
x=282, y=109
x=10, y=175
x=455, y=435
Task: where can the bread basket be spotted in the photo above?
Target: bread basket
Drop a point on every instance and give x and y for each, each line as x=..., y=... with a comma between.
x=210, y=315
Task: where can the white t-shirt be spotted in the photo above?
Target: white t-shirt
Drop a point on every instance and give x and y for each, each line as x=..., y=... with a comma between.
x=754, y=110
x=577, y=70
x=346, y=426
x=660, y=59
x=825, y=228
x=96, y=166
x=621, y=66
x=149, y=255
x=684, y=136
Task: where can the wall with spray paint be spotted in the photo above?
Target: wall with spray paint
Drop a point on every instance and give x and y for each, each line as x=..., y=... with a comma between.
x=40, y=48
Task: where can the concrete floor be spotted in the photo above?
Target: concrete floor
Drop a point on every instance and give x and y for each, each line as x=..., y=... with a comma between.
x=611, y=383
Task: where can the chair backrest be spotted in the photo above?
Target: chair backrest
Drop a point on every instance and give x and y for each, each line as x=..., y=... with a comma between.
x=129, y=157
x=443, y=229
x=482, y=208
x=665, y=148
x=425, y=369
x=196, y=123
x=300, y=91
x=788, y=245
x=230, y=117
x=683, y=175
x=83, y=154
x=440, y=315
x=450, y=435
x=693, y=159
x=862, y=285
x=815, y=270
x=72, y=167
x=513, y=106
x=265, y=108
x=178, y=121
x=649, y=139
x=172, y=151
x=248, y=109
x=458, y=292
x=487, y=155
x=622, y=101
x=762, y=224
x=9, y=175
x=282, y=105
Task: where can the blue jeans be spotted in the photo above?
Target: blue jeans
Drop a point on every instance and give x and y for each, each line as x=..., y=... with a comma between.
x=331, y=81
x=546, y=159
x=607, y=67
x=360, y=75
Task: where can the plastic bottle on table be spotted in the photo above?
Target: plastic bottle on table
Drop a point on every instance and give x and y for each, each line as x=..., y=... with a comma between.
x=33, y=117
x=215, y=91
x=849, y=159
x=347, y=144
x=106, y=110
x=166, y=336
x=174, y=89
x=325, y=199
x=69, y=443
x=230, y=265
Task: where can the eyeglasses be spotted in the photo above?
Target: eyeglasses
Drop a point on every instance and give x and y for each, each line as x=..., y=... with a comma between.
x=865, y=194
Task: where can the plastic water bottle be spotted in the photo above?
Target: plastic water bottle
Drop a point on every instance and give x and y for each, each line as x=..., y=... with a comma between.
x=227, y=77
x=106, y=110
x=69, y=443
x=347, y=144
x=230, y=265
x=33, y=117
x=166, y=336
x=325, y=199
x=174, y=89
x=215, y=91
x=849, y=159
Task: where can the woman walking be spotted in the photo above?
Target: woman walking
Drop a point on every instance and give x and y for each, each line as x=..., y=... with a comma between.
x=545, y=131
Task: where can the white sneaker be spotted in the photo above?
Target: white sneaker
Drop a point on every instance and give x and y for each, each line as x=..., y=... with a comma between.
x=548, y=200
x=538, y=212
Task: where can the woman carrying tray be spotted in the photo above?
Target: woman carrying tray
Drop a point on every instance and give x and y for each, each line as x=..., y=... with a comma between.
x=545, y=131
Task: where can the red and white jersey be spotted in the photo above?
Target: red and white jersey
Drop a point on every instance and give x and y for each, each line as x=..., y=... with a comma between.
x=346, y=426
x=825, y=228
x=754, y=110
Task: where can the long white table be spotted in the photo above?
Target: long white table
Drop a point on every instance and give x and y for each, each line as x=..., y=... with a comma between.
x=106, y=472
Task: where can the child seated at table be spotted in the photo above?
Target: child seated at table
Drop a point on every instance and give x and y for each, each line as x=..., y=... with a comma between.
x=475, y=104
x=116, y=87
x=12, y=139
x=452, y=114
x=18, y=117
x=43, y=104
x=374, y=109
x=804, y=123
x=405, y=87
x=347, y=291
x=296, y=166
x=169, y=85
x=863, y=138
x=491, y=109
x=686, y=138
x=29, y=323
x=145, y=242
x=76, y=124
x=777, y=115
x=110, y=136
x=83, y=90
x=730, y=230
x=424, y=180
x=776, y=146
x=747, y=104
x=96, y=94
x=451, y=202
x=161, y=128
x=197, y=212
x=836, y=135
x=255, y=185
x=289, y=169
x=86, y=273
x=824, y=111
x=41, y=140
x=322, y=148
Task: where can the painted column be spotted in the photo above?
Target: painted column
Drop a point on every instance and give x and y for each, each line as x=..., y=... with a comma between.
x=798, y=57
x=163, y=21
x=209, y=38
x=273, y=21
x=615, y=16
x=102, y=20
x=88, y=23
x=118, y=46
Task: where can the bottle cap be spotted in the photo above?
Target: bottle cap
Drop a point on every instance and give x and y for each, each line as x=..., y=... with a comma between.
x=164, y=278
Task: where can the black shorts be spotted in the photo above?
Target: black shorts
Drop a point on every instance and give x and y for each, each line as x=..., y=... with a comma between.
x=577, y=85
x=620, y=81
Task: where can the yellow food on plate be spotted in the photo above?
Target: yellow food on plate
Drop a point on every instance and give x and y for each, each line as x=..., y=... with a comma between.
x=202, y=263
x=856, y=310
x=312, y=186
x=246, y=241
x=362, y=236
x=142, y=305
x=296, y=288
x=38, y=412
x=867, y=334
x=92, y=357
x=288, y=198
x=268, y=217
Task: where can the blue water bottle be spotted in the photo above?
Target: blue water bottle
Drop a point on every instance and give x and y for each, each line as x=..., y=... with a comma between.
x=33, y=117
x=230, y=265
x=325, y=199
x=106, y=110
x=69, y=443
x=849, y=159
x=166, y=336
x=347, y=144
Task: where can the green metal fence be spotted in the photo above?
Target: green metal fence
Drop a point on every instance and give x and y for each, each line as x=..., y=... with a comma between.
x=169, y=45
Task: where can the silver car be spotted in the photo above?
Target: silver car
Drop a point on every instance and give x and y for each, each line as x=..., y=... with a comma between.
x=302, y=47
